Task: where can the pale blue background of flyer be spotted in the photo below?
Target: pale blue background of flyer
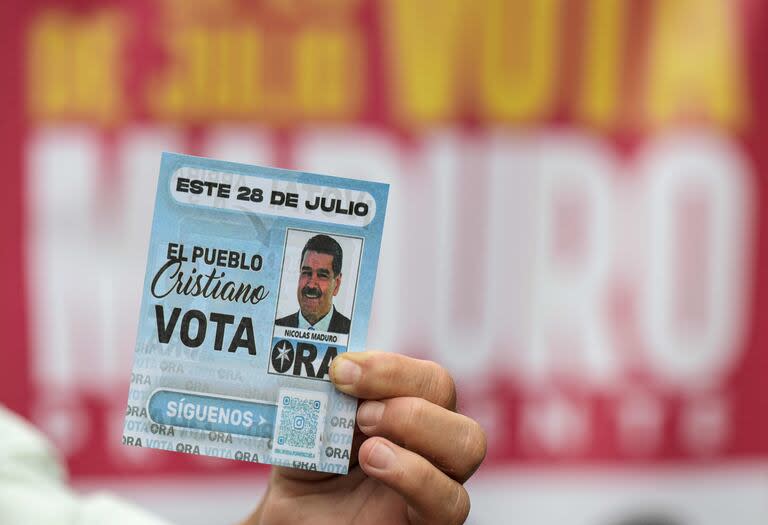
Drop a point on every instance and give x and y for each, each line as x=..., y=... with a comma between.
x=252, y=233
x=192, y=224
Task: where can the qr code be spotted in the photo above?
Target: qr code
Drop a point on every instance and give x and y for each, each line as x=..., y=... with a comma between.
x=300, y=419
x=298, y=422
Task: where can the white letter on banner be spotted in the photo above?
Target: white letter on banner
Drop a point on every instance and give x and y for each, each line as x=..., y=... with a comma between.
x=571, y=253
x=461, y=335
x=138, y=158
x=511, y=231
x=63, y=166
x=692, y=295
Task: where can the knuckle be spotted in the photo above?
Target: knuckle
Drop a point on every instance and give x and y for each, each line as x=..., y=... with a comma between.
x=474, y=446
x=479, y=446
x=413, y=412
x=442, y=386
x=461, y=505
x=429, y=476
x=385, y=369
x=377, y=373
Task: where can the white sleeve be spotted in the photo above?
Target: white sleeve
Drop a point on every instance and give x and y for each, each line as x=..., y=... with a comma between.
x=33, y=487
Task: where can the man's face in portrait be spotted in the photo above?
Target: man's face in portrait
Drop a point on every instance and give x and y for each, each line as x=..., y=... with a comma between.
x=317, y=285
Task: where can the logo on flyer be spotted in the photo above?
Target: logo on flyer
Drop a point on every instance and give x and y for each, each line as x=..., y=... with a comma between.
x=282, y=356
x=302, y=358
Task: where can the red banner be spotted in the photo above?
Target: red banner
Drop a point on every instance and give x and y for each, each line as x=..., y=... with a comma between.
x=576, y=228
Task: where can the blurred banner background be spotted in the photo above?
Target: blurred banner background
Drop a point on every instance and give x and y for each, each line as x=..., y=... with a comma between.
x=575, y=230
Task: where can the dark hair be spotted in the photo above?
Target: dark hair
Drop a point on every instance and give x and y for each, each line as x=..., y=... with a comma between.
x=327, y=245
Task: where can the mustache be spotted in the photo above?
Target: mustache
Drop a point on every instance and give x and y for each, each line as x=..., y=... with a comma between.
x=311, y=293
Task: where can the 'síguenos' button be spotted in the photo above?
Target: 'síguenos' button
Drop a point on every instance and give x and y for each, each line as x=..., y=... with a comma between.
x=219, y=414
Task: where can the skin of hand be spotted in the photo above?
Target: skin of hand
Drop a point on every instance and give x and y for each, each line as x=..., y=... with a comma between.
x=412, y=452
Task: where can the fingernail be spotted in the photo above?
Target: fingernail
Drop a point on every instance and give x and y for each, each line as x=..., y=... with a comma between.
x=369, y=413
x=345, y=371
x=381, y=456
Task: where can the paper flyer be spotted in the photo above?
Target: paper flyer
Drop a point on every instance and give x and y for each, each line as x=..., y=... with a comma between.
x=256, y=279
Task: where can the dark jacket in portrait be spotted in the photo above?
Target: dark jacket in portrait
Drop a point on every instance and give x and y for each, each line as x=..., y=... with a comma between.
x=338, y=325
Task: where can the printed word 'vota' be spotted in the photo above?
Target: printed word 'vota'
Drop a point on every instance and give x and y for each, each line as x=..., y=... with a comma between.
x=193, y=329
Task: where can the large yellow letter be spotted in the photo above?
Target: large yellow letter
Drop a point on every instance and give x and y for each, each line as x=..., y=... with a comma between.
x=75, y=66
x=601, y=72
x=695, y=63
x=423, y=49
x=518, y=59
x=329, y=72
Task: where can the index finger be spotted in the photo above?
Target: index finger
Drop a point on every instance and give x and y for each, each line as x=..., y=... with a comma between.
x=381, y=375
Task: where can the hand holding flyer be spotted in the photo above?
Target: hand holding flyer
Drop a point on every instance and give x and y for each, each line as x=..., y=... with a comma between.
x=257, y=278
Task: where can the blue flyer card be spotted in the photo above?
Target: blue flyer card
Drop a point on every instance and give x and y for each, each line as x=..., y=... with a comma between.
x=256, y=279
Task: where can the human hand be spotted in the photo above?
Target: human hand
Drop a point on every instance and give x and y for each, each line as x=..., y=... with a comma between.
x=415, y=452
